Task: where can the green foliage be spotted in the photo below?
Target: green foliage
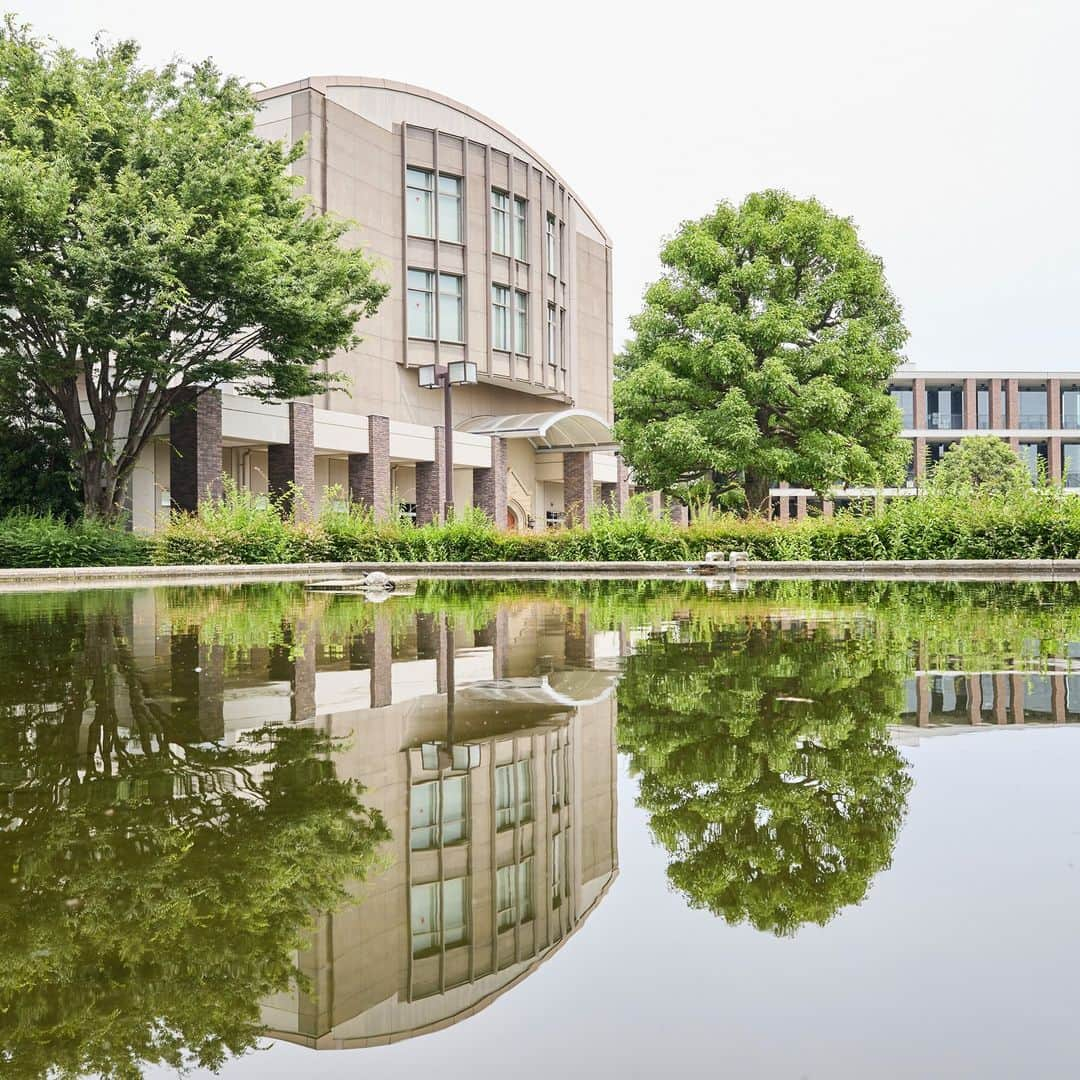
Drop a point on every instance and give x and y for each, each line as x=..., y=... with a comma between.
x=27, y=540
x=980, y=465
x=36, y=474
x=765, y=765
x=762, y=354
x=153, y=892
x=152, y=246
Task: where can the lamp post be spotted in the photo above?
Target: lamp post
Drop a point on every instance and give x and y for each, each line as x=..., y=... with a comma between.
x=432, y=376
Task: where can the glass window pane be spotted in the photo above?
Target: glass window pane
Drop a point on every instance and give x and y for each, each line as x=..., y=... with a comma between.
x=552, y=254
x=421, y=309
x=500, y=223
x=525, y=890
x=1033, y=407
x=521, y=322
x=424, y=815
x=500, y=317
x=524, y=790
x=1071, y=464
x=450, y=209
x=521, y=228
x=504, y=796
x=450, y=321
x=505, y=904
x=453, y=928
x=418, y=202
x=425, y=917
x=1070, y=408
x=453, y=810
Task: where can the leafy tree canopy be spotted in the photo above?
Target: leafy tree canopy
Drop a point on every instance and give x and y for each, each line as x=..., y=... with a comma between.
x=153, y=892
x=151, y=243
x=980, y=465
x=762, y=355
x=765, y=766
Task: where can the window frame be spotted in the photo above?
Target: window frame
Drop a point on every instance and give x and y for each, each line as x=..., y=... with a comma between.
x=457, y=198
x=458, y=298
x=500, y=223
x=519, y=240
x=520, y=317
x=429, y=192
x=501, y=317
x=428, y=291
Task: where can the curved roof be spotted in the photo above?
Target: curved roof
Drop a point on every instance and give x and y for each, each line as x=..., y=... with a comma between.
x=322, y=83
x=567, y=429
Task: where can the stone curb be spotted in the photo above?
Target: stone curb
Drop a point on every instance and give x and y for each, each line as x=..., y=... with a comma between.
x=919, y=569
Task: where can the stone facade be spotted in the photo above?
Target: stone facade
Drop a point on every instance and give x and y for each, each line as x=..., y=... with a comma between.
x=430, y=488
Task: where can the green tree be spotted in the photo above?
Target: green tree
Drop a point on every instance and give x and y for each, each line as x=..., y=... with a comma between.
x=762, y=355
x=765, y=766
x=152, y=246
x=153, y=892
x=980, y=465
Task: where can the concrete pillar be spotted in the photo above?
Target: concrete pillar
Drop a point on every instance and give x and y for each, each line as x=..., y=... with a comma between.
x=431, y=642
x=291, y=465
x=1053, y=458
x=1012, y=403
x=577, y=485
x=369, y=474
x=827, y=507
x=430, y=489
x=608, y=497
x=496, y=635
x=195, y=438
x=578, y=640
x=1053, y=404
x=785, y=503
x=918, y=404
x=679, y=513
x=302, y=676
x=971, y=416
x=974, y=688
x=800, y=507
x=489, y=485
x=622, y=483
x=996, y=398
x=1014, y=444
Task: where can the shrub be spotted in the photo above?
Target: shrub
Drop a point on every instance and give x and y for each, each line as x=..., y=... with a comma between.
x=47, y=541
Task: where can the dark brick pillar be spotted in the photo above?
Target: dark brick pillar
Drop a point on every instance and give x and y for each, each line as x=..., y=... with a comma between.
x=918, y=403
x=920, y=456
x=303, y=674
x=291, y=465
x=970, y=401
x=430, y=489
x=489, y=485
x=195, y=436
x=622, y=483
x=1012, y=403
x=577, y=485
x=1053, y=404
x=369, y=474
x=996, y=406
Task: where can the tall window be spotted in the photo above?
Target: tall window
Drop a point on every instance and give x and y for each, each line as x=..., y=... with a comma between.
x=521, y=228
x=450, y=308
x=1070, y=407
x=552, y=249
x=438, y=915
x=421, y=301
x=905, y=402
x=982, y=408
x=500, y=222
x=552, y=335
x=1034, y=456
x=558, y=777
x=521, y=322
x=1033, y=407
x=450, y=209
x=418, y=203
x=437, y=813
x=500, y=317
x=513, y=794
x=558, y=875
x=1070, y=471
x=944, y=408
x=514, y=893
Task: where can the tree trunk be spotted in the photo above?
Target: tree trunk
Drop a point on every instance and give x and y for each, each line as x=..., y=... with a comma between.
x=756, y=488
x=101, y=487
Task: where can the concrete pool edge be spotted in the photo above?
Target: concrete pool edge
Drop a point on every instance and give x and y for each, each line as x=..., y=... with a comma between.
x=40, y=579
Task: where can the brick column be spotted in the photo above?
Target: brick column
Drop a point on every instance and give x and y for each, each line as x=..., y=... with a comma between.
x=1001, y=699
x=489, y=485
x=496, y=635
x=430, y=489
x=291, y=465
x=195, y=437
x=974, y=687
x=800, y=507
x=1053, y=404
x=996, y=392
x=1012, y=403
x=827, y=507
x=920, y=457
x=922, y=700
x=971, y=416
x=918, y=404
x=1057, y=699
x=785, y=503
x=198, y=678
x=1053, y=455
x=577, y=485
x=1018, y=682
x=303, y=674
x=369, y=474
x=382, y=660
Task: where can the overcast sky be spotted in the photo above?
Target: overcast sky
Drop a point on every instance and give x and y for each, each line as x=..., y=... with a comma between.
x=946, y=129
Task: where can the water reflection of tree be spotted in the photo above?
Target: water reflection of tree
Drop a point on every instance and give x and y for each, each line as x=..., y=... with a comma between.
x=152, y=892
x=766, y=768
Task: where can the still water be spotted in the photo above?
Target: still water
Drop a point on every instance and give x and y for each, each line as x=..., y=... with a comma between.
x=586, y=829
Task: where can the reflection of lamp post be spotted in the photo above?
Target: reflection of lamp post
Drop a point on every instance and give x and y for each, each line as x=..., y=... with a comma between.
x=456, y=373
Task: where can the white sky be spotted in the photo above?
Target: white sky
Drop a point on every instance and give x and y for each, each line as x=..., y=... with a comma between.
x=947, y=129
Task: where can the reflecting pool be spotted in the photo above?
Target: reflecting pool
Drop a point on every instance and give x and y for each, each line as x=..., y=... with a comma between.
x=604, y=828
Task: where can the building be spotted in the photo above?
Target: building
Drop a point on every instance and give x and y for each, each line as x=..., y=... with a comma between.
x=1038, y=414
x=493, y=260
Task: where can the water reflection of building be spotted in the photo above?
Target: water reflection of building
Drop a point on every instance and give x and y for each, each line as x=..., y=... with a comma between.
x=502, y=811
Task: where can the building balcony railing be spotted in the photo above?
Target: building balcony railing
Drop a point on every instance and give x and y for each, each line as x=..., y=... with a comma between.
x=1070, y=422
x=944, y=421
x=1071, y=479
x=1034, y=420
